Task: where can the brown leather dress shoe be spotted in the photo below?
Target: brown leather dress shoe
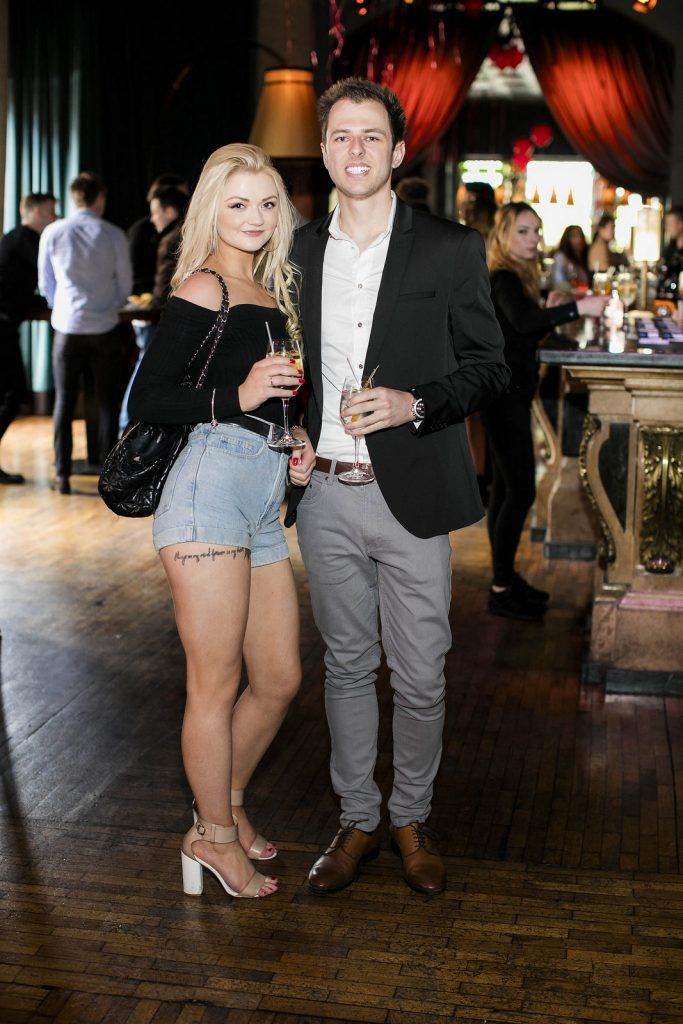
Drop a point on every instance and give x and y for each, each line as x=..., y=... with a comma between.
x=423, y=868
x=340, y=862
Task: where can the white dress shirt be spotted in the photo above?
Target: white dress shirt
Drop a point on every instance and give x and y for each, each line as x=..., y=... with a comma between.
x=84, y=272
x=351, y=281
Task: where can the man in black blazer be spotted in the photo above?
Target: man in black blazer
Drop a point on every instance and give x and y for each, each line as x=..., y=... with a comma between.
x=405, y=294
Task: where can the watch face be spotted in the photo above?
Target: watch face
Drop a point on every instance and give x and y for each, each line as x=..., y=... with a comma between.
x=418, y=409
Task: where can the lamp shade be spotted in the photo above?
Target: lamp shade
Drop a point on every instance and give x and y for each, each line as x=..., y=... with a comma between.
x=647, y=235
x=286, y=125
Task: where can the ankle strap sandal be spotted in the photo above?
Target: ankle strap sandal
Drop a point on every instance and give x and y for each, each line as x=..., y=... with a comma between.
x=192, y=865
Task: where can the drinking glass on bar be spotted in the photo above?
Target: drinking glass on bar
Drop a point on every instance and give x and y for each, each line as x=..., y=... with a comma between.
x=627, y=289
x=602, y=285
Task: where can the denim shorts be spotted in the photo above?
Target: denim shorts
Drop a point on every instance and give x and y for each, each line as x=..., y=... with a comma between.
x=226, y=487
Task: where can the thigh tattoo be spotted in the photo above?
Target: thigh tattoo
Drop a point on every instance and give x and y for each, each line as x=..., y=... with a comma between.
x=197, y=557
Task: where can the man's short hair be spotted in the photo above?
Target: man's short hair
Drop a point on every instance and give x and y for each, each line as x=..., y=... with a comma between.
x=86, y=188
x=675, y=211
x=357, y=90
x=167, y=180
x=33, y=199
x=170, y=196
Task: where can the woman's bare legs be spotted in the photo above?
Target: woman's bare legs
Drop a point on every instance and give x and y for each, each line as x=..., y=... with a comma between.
x=211, y=588
x=271, y=654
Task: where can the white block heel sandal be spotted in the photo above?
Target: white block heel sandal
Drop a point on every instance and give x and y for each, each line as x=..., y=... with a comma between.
x=192, y=865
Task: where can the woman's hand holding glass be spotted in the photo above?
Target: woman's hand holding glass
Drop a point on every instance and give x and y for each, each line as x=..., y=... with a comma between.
x=271, y=377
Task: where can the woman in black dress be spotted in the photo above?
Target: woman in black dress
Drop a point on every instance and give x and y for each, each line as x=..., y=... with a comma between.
x=515, y=290
x=217, y=524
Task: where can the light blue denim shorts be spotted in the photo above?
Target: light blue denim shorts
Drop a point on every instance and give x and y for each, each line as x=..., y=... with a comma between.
x=226, y=488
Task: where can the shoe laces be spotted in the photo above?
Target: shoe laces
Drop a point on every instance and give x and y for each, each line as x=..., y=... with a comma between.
x=422, y=833
x=344, y=835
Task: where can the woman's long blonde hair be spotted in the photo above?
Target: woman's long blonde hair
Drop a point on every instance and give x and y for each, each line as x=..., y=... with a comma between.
x=499, y=255
x=272, y=269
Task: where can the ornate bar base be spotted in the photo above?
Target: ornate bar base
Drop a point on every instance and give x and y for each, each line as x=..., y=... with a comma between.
x=637, y=641
x=638, y=682
x=631, y=465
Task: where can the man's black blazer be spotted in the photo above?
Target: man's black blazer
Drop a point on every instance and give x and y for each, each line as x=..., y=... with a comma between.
x=434, y=329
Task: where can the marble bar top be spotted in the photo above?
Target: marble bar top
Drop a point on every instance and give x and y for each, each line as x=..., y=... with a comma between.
x=649, y=342
x=671, y=357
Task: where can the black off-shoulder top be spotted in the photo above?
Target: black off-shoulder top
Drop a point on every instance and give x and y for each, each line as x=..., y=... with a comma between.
x=156, y=396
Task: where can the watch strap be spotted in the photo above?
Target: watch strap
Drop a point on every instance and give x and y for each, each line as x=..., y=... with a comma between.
x=418, y=409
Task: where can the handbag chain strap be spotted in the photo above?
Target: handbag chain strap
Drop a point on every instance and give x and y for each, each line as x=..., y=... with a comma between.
x=215, y=333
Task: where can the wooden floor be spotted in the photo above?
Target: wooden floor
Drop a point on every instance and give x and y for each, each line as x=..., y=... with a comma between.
x=561, y=812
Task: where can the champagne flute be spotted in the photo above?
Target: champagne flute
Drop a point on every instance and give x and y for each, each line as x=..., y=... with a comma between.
x=290, y=348
x=602, y=285
x=358, y=474
x=627, y=289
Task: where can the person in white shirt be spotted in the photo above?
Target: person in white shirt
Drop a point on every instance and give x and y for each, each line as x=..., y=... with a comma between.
x=398, y=295
x=84, y=272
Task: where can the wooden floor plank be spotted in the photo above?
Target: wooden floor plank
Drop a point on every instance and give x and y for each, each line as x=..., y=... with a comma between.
x=560, y=811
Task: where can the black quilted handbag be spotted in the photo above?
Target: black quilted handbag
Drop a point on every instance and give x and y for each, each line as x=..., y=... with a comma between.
x=135, y=470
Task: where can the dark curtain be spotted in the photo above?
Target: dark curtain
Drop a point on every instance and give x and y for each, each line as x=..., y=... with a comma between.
x=429, y=61
x=610, y=89
x=49, y=68
x=127, y=90
x=170, y=88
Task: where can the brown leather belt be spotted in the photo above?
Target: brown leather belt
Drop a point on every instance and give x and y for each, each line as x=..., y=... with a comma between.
x=325, y=466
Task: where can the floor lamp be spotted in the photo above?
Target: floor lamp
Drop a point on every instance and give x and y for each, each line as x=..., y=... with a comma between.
x=286, y=127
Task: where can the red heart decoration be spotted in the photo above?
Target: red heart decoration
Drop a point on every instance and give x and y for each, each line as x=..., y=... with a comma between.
x=498, y=55
x=522, y=147
x=541, y=135
x=520, y=161
x=506, y=56
x=515, y=57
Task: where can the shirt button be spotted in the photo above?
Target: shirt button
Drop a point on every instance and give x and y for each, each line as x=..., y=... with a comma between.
x=360, y=324
x=360, y=285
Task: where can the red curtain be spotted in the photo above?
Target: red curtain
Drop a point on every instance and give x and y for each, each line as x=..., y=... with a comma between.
x=610, y=89
x=429, y=61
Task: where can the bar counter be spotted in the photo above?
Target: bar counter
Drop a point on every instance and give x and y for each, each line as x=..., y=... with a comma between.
x=630, y=465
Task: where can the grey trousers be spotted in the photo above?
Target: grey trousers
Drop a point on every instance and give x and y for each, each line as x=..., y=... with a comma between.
x=363, y=567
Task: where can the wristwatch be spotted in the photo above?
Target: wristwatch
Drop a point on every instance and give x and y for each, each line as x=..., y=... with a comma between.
x=418, y=409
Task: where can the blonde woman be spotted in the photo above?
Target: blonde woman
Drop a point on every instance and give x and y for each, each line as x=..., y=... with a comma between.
x=217, y=526
x=515, y=290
